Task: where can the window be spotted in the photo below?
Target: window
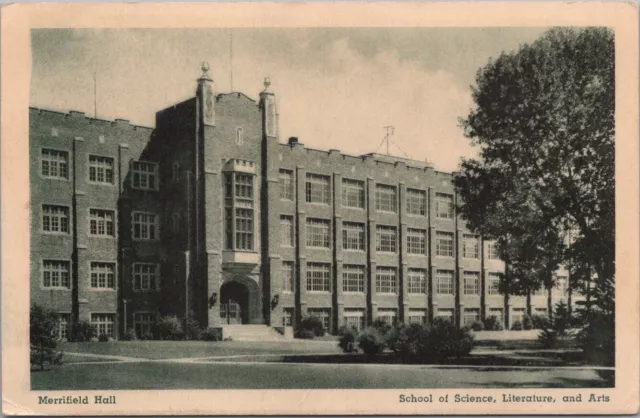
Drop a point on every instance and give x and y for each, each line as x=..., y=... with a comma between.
x=352, y=193
x=285, y=178
x=471, y=316
x=561, y=286
x=498, y=313
x=492, y=251
x=494, y=284
x=63, y=326
x=100, y=169
x=239, y=212
x=318, y=233
x=54, y=164
x=388, y=316
x=287, y=317
x=239, y=136
x=353, y=236
x=541, y=312
x=54, y=131
x=385, y=239
x=103, y=323
x=145, y=276
x=288, y=285
x=55, y=274
x=353, y=278
x=354, y=318
x=386, y=200
x=318, y=277
x=444, y=206
x=444, y=282
x=386, y=280
x=446, y=314
x=471, y=283
x=416, y=202
x=444, y=244
x=175, y=172
x=101, y=222
x=471, y=247
x=145, y=226
x=416, y=241
x=144, y=175
x=417, y=316
x=416, y=281
x=317, y=189
x=103, y=275
x=517, y=316
x=143, y=323
x=324, y=314
x=55, y=219
x=286, y=231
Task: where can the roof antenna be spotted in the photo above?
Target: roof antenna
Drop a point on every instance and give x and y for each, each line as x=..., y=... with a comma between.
x=389, y=130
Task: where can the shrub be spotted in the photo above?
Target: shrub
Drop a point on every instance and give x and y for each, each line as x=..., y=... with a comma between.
x=170, y=328
x=103, y=338
x=347, y=338
x=130, y=335
x=211, y=334
x=305, y=334
x=408, y=342
x=548, y=338
x=371, y=340
x=82, y=331
x=192, y=329
x=557, y=327
x=94, y=339
x=477, y=326
x=43, y=325
x=493, y=323
x=516, y=326
x=148, y=335
x=539, y=321
x=392, y=336
x=424, y=344
x=313, y=324
x=381, y=325
x=527, y=322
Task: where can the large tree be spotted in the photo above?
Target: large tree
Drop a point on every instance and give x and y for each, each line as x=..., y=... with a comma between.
x=543, y=181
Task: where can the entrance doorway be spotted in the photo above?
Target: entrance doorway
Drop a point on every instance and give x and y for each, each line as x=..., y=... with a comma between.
x=234, y=303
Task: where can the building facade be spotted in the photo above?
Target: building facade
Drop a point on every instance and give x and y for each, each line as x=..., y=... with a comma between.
x=210, y=215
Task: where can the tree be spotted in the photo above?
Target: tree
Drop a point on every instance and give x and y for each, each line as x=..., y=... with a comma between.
x=43, y=327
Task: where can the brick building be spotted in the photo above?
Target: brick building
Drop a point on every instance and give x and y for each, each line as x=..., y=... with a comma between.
x=210, y=214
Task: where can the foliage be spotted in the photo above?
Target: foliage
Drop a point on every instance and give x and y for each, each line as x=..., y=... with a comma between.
x=103, y=338
x=211, y=334
x=392, y=335
x=192, y=328
x=82, y=331
x=312, y=323
x=538, y=321
x=425, y=344
x=347, y=338
x=516, y=326
x=43, y=326
x=148, y=335
x=548, y=337
x=493, y=323
x=130, y=335
x=557, y=327
x=170, y=328
x=371, y=340
x=527, y=322
x=305, y=334
x=381, y=325
x=477, y=326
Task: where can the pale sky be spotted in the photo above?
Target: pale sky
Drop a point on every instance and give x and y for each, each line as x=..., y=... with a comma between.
x=335, y=88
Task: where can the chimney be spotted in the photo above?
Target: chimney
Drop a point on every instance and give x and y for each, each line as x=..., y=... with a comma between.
x=206, y=96
x=269, y=112
x=293, y=141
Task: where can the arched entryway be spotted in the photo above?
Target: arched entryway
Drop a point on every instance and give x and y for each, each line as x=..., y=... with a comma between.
x=234, y=303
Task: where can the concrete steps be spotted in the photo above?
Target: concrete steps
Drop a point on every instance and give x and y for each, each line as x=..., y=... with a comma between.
x=251, y=333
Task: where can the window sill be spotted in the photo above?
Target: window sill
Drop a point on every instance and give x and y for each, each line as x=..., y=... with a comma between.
x=58, y=234
x=64, y=289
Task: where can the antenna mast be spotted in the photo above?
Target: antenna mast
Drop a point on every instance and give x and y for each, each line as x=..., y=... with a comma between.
x=389, y=130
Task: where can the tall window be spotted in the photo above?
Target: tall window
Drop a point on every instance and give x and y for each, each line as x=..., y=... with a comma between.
x=54, y=164
x=352, y=193
x=100, y=169
x=101, y=222
x=239, y=211
x=444, y=206
x=354, y=318
x=103, y=275
x=317, y=188
x=239, y=136
x=446, y=314
x=144, y=175
x=386, y=280
x=288, y=285
x=416, y=241
x=55, y=219
x=416, y=202
x=144, y=322
x=318, y=277
x=353, y=278
x=471, y=283
x=353, y=236
x=324, y=314
x=416, y=281
x=444, y=282
x=103, y=323
x=498, y=313
x=63, y=326
x=286, y=231
x=471, y=247
x=492, y=251
x=541, y=312
x=55, y=274
x=444, y=244
x=145, y=276
x=386, y=239
x=417, y=316
x=318, y=233
x=287, y=317
x=493, y=287
x=561, y=288
x=285, y=177
x=388, y=316
x=517, y=315
x=386, y=198
x=145, y=226
x=471, y=316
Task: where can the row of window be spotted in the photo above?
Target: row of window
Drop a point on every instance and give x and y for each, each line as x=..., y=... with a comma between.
x=145, y=226
x=318, y=190
x=56, y=275
x=105, y=323
x=54, y=164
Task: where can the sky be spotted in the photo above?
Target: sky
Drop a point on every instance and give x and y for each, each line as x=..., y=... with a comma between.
x=335, y=87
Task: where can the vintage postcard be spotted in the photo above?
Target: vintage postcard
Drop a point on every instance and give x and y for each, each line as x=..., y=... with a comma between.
x=320, y=208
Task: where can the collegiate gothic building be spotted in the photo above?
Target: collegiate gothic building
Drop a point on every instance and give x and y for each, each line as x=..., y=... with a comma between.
x=209, y=214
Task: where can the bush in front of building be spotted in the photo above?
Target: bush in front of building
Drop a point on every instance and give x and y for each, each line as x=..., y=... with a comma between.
x=82, y=331
x=392, y=335
x=43, y=337
x=538, y=321
x=304, y=334
x=477, y=326
x=493, y=323
x=381, y=325
x=129, y=335
x=169, y=327
x=527, y=322
x=192, y=328
x=406, y=344
x=148, y=335
x=433, y=343
x=211, y=334
x=516, y=326
x=371, y=340
x=313, y=324
x=347, y=339
x=103, y=338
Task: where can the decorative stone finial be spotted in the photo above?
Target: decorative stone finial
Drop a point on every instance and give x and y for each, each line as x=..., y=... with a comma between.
x=267, y=83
